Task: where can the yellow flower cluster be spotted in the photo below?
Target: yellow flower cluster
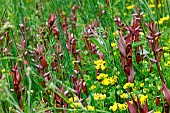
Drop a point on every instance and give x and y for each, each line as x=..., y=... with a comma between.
x=102, y=76
x=72, y=99
x=100, y=64
x=141, y=84
x=128, y=85
x=118, y=106
x=114, y=45
x=165, y=48
x=130, y=7
x=157, y=112
x=3, y=70
x=114, y=107
x=99, y=96
x=90, y=107
x=152, y=1
x=92, y=87
x=167, y=64
x=163, y=19
x=74, y=102
x=143, y=98
x=73, y=62
x=124, y=95
x=115, y=33
x=153, y=5
x=107, y=80
x=122, y=106
x=166, y=55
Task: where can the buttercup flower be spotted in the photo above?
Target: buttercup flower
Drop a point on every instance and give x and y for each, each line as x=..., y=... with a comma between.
x=3, y=70
x=101, y=76
x=127, y=85
x=143, y=98
x=122, y=106
x=106, y=81
x=90, y=107
x=92, y=87
x=100, y=64
x=124, y=95
x=99, y=96
x=141, y=84
x=130, y=7
x=114, y=107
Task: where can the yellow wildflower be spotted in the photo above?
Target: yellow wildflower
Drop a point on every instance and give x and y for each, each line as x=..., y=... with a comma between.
x=159, y=87
x=152, y=1
x=75, y=104
x=102, y=97
x=127, y=85
x=96, y=97
x=124, y=95
x=114, y=107
x=166, y=54
x=3, y=70
x=143, y=98
x=100, y=64
x=144, y=15
x=115, y=33
x=141, y=84
x=157, y=112
x=153, y=12
x=165, y=48
x=90, y=107
x=113, y=45
x=168, y=62
x=113, y=80
x=122, y=106
x=114, y=53
x=115, y=77
x=130, y=7
x=169, y=41
x=160, y=22
x=103, y=67
x=92, y=87
x=151, y=5
x=73, y=62
x=72, y=99
x=106, y=81
x=101, y=76
x=99, y=96
x=98, y=67
x=63, y=13
x=159, y=5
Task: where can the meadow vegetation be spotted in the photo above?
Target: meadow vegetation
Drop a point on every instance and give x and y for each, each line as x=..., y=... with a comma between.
x=77, y=56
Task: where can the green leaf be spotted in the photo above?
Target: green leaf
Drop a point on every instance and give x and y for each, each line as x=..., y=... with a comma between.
x=135, y=44
x=101, y=47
